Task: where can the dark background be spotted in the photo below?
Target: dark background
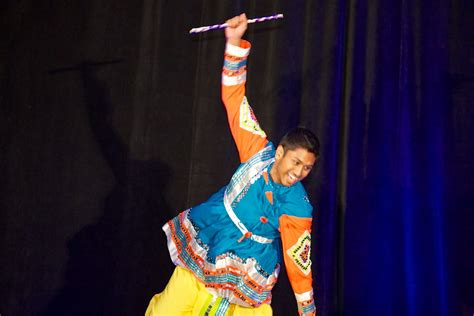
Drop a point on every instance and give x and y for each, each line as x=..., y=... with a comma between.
x=111, y=123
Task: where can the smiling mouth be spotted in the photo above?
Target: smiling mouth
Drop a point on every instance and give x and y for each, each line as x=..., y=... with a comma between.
x=292, y=178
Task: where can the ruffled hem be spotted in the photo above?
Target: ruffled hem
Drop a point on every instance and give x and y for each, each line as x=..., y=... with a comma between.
x=240, y=281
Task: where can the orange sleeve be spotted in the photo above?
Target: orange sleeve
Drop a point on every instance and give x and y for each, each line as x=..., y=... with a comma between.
x=296, y=242
x=248, y=135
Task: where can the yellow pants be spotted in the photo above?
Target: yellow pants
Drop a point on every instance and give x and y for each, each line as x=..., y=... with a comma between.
x=186, y=296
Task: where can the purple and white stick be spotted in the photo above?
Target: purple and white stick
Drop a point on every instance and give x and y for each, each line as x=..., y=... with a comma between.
x=224, y=25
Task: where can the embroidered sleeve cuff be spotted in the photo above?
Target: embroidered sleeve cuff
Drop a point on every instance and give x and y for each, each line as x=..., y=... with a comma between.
x=305, y=303
x=242, y=51
x=234, y=71
x=306, y=308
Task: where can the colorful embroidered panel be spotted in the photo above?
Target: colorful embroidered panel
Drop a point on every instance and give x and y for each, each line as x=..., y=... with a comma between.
x=248, y=121
x=301, y=253
x=239, y=281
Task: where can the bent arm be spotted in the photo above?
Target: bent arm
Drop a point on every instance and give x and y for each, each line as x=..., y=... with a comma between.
x=296, y=242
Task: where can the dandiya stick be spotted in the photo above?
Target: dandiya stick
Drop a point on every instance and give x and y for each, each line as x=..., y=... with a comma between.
x=224, y=25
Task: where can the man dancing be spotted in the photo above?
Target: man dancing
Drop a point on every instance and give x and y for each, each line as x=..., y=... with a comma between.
x=228, y=250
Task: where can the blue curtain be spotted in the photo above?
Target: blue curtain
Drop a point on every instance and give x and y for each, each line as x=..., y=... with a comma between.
x=386, y=171
x=375, y=80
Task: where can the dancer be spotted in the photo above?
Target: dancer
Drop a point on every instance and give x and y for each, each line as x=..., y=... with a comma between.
x=228, y=250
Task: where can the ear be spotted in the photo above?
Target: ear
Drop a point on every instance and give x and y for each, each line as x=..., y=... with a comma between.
x=280, y=152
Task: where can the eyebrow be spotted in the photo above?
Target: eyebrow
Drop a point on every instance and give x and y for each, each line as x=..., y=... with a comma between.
x=296, y=158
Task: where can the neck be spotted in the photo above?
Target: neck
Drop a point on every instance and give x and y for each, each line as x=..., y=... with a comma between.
x=273, y=173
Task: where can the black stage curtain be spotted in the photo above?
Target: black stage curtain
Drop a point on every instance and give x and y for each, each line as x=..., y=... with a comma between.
x=111, y=123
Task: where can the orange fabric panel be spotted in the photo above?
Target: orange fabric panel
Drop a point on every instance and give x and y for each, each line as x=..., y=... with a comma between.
x=269, y=195
x=248, y=143
x=292, y=228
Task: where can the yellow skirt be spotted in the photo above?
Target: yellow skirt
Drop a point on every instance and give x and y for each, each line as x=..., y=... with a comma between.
x=186, y=296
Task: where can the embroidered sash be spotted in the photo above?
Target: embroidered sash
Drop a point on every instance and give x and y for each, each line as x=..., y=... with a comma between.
x=242, y=179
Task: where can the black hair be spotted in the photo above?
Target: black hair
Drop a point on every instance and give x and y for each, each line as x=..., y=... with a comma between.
x=301, y=137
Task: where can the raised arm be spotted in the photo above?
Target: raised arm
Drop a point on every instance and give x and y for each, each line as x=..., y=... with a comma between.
x=248, y=135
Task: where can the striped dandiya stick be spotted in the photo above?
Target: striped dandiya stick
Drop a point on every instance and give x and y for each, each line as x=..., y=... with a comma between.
x=224, y=25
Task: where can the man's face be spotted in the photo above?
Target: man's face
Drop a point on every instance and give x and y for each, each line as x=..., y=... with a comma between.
x=291, y=166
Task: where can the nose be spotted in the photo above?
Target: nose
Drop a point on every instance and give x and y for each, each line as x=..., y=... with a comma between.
x=299, y=171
